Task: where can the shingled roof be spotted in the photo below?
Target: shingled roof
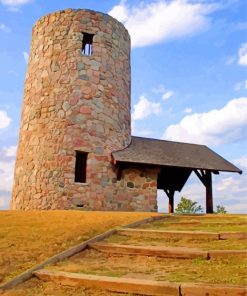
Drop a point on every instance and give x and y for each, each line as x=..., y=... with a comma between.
x=167, y=153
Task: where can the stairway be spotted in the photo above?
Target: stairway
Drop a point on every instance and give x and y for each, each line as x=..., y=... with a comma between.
x=156, y=259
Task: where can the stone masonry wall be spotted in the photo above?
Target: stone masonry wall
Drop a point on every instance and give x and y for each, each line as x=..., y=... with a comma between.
x=74, y=102
x=137, y=189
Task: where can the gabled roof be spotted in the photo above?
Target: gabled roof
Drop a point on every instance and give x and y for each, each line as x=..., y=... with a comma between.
x=167, y=153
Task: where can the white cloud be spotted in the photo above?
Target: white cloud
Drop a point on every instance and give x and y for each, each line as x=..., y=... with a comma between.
x=187, y=110
x=163, y=20
x=10, y=151
x=240, y=85
x=242, y=162
x=136, y=130
x=4, y=28
x=215, y=127
x=141, y=132
x=6, y=175
x=26, y=56
x=120, y=12
x=167, y=95
x=7, y=163
x=3, y=201
x=238, y=208
x=4, y=119
x=233, y=183
x=145, y=108
x=160, y=89
x=14, y=4
x=242, y=53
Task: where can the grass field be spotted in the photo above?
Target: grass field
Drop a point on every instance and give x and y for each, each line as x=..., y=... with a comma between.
x=28, y=238
x=204, y=244
x=168, y=269
x=156, y=268
x=214, y=223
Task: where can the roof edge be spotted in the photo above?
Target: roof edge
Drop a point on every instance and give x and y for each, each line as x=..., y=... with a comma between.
x=175, y=166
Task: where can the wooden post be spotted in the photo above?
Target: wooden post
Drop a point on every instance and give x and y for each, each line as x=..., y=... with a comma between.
x=171, y=205
x=206, y=179
x=170, y=194
x=209, y=193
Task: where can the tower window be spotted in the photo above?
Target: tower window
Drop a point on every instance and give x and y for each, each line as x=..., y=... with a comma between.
x=80, y=167
x=87, y=44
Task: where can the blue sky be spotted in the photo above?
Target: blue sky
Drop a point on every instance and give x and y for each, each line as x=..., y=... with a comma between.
x=189, y=82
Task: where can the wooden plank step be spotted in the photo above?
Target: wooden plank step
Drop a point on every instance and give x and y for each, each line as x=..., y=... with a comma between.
x=139, y=286
x=226, y=253
x=169, y=234
x=201, y=223
x=165, y=252
x=233, y=235
x=211, y=290
x=124, y=285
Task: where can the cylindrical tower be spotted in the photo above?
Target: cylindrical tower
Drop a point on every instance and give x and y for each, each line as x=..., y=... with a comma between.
x=76, y=111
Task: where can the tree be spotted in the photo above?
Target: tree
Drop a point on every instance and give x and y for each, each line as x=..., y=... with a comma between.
x=220, y=210
x=187, y=206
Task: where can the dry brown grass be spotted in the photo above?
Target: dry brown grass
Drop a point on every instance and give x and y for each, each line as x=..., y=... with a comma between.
x=156, y=268
x=211, y=222
x=28, y=238
x=205, y=244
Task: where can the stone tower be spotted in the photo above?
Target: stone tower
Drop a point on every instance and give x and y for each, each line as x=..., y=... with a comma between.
x=76, y=112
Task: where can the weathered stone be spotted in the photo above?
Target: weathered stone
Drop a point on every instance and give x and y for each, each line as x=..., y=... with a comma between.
x=84, y=77
x=80, y=66
x=85, y=110
x=130, y=185
x=66, y=106
x=60, y=114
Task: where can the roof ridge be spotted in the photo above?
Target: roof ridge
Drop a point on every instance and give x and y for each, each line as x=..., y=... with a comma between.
x=177, y=142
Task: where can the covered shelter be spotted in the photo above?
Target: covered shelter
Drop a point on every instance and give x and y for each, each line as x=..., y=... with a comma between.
x=175, y=161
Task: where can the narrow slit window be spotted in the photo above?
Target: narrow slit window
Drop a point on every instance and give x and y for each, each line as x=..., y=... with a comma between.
x=80, y=167
x=87, y=44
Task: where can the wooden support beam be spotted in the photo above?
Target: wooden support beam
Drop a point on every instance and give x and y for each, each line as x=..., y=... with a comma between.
x=171, y=205
x=170, y=193
x=216, y=172
x=209, y=193
x=201, y=175
x=206, y=179
x=119, y=173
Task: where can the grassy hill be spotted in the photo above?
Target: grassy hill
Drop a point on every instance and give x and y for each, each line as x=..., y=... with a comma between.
x=28, y=238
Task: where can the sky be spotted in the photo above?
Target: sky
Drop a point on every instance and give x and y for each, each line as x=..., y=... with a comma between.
x=189, y=81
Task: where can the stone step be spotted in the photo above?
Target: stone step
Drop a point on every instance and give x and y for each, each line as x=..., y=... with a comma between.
x=124, y=285
x=165, y=252
x=169, y=234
